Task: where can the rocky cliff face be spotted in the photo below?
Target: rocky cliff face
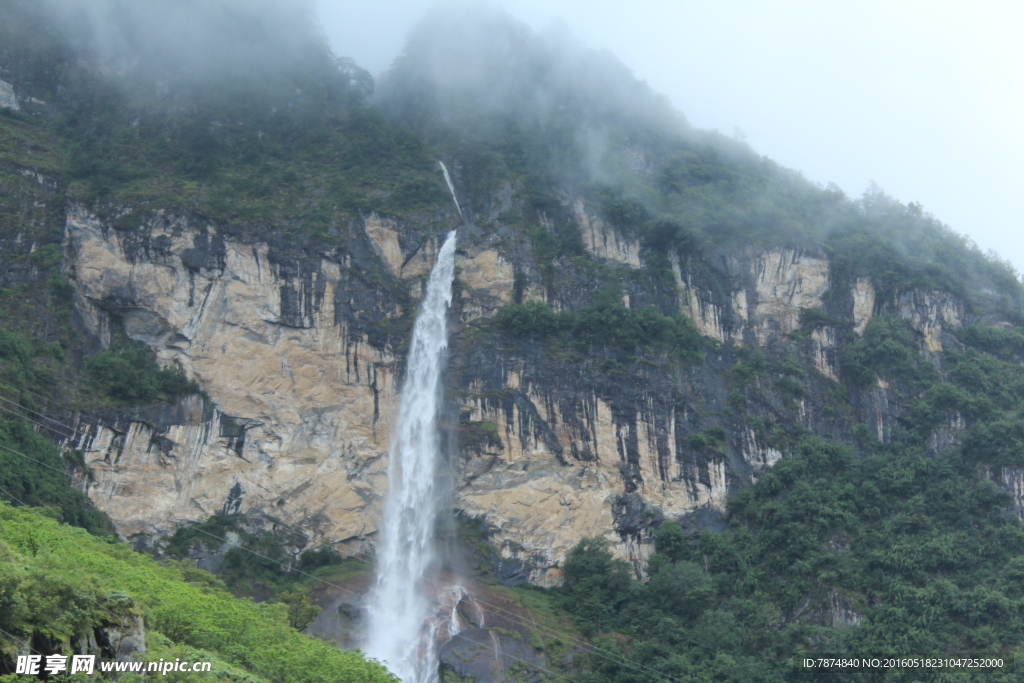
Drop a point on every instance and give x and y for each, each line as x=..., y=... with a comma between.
x=301, y=404
x=300, y=401
x=301, y=384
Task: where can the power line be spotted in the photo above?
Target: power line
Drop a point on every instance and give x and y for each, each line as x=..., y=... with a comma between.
x=52, y=400
x=13, y=497
x=16, y=640
x=37, y=424
x=34, y=412
x=38, y=462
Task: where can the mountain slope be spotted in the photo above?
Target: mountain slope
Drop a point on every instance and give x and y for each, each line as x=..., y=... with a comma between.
x=64, y=590
x=790, y=412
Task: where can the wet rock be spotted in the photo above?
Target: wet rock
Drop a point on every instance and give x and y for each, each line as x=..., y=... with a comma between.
x=490, y=656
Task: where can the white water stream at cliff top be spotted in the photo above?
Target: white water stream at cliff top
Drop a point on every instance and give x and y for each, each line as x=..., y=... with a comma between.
x=451, y=188
x=402, y=630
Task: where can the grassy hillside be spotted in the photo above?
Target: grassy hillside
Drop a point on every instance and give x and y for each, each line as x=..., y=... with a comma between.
x=58, y=582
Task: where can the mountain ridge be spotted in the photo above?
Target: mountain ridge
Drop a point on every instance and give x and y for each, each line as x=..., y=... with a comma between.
x=661, y=340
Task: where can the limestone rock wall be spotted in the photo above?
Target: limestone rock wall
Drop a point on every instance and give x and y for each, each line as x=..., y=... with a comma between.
x=863, y=304
x=1013, y=479
x=930, y=313
x=603, y=241
x=570, y=455
x=302, y=406
x=8, y=100
x=301, y=394
x=762, y=297
x=785, y=281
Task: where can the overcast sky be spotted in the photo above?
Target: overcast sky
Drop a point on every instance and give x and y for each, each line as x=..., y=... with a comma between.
x=926, y=98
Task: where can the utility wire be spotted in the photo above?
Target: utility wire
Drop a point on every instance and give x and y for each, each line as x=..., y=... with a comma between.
x=13, y=497
x=34, y=412
x=17, y=640
x=38, y=462
x=37, y=424
x=52, y=400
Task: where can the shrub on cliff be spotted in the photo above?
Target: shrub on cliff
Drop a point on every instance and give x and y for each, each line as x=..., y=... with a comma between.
x=605, y=322
x=128, y=372
x=888, y=349
x=533, y=318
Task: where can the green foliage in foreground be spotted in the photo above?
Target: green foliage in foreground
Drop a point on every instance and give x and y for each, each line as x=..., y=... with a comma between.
x=57, y=581
x=260, y=562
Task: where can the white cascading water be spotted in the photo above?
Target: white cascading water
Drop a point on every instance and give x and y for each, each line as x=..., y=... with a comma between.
x=402, y=625
x=451, y=188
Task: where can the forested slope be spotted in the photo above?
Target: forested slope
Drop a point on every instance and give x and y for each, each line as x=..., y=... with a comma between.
x=795, y=415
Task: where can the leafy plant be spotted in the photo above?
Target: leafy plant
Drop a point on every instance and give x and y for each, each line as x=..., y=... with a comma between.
x=128, y=373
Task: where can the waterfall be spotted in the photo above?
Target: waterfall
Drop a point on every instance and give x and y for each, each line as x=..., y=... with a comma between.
x=402, y=629
x=451, y=188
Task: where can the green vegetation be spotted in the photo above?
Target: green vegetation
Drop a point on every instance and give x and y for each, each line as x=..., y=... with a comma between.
x=920, y=547
x=57, y=582
x=889, y=350
x=560, y=123
x=262, y=562
x=309, y=172
x=712, y=439
x=33, y=472
x=253, y=560
x=26, y=360
x=1004, y=342
x=896, y=549
x=903, y=248
x=751, y=364
x=605, y=322
x=847, y=545
x=596, y=586
x=32, y=469
x=478, y=436
x=127, y=372
x=272, y=134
